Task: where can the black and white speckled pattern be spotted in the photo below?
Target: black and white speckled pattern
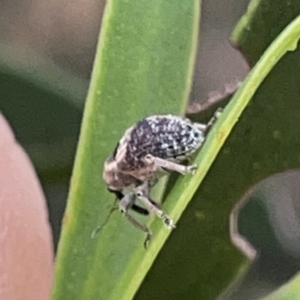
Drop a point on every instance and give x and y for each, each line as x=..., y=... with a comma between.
x=165, y=136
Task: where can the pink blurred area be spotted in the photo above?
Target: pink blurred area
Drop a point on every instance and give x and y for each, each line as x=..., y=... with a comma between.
x=26, y=250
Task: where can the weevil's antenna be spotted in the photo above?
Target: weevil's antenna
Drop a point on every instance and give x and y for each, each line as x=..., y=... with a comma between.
x=112, y=209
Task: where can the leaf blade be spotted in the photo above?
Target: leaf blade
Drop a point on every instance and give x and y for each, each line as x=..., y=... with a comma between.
x=131, y=78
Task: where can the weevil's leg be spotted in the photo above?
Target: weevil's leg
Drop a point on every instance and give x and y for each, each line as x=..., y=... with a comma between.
x=165, y=218
x=159, y=162
x=213, y=120
x=126, y=202
x=96, y=230
x=202, y=127
x=142, y=227
x=153, y=208
x=155, y=203
x=134, y=207
x=144, y=189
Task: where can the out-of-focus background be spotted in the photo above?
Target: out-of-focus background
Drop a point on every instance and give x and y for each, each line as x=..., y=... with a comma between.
x=46, y=56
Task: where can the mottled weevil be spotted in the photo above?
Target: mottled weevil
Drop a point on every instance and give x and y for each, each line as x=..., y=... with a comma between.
x=150, y=149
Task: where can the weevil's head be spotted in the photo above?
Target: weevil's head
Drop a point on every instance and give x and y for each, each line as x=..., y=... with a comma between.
x=114, y=179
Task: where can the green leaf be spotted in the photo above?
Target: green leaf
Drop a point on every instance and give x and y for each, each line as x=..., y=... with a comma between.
x=290, y=291
x=143, y=65
x=263, y=142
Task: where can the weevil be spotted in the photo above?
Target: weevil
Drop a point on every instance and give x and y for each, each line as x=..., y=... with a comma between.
x=148, y=150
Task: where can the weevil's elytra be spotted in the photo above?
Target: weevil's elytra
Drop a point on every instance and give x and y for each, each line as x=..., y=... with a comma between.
x=167, y=137
x=148, y=150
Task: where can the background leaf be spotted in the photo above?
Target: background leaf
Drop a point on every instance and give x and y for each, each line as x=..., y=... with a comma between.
x=289, y=291
x=42, y=103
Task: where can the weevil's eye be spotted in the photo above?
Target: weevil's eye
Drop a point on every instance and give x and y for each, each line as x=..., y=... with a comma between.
x=196, y=134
